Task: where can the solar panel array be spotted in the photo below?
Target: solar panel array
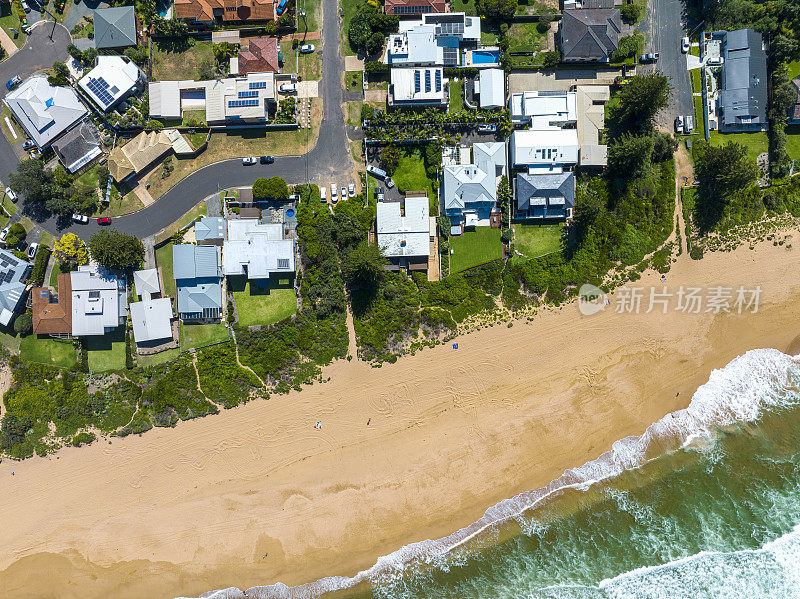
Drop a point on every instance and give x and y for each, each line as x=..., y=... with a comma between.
x=451, y=28
x=99, y=87
x=438, y=81
x=6, y=261
x=258, y=85
x=239, y=103
x=417, y=84
x=450, y=56
x=250, y=94
x=427, y=81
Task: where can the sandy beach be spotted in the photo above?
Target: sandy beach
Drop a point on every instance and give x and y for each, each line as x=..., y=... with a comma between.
x=451, y=432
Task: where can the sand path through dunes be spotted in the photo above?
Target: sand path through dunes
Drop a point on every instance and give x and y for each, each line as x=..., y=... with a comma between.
x=185, y=510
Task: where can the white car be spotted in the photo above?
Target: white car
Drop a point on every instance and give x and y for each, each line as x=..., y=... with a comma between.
x=248, y=160
x=715, y=60
x=11, y=195
x=333, y=192
x=344, y=192
x=307, y=48
x=389, y=182
x=679, y=123
x=31, y=251
x=4, y=233
x=25, y=6
x=685, y=45
x=351, y=190
x=287, y=88
x=80, y=218
x=323, y=193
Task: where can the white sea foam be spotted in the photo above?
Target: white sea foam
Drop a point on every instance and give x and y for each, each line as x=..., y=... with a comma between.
x=739, y=392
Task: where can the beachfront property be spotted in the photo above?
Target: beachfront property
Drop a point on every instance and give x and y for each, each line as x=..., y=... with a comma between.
x=257, y=250
x=405, y=8
x=490, y=87
x=544, y=195
x=220, y=12
x=115, y=27
x=591, y=102
x=468, y=190
x=744, y=82
x=152, y=316
x=544, y=109
x=210, y=230
x=45, y=111
x=589, y=34
x=111, y=81
x=78, y=146
x=418, y=87
x=198, y=278
x=13, y=274
x=257, y=55
x=578, y=4
x=435, y=39
x=405, y=232
x=544, y=148
x=249, y=99
x=128, y=160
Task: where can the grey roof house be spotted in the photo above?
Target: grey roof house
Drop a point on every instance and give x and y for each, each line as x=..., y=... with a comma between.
x=78, y=147
x=115, y=27
x=743, y=96
x=198, y=277
x=13, y=273
x=590, y=34
x=545, y=195
x=210, y=230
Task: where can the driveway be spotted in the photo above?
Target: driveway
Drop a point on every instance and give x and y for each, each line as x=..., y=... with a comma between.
x=664, y=27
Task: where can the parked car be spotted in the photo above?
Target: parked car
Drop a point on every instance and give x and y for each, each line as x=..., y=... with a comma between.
x=31, y=251
x=13, y=82
x=389, y=182
x=11, y=195
x=714, y=60
x=487, y=128
x=25, y=6
x=344, y=192
x=248, y=160
x=688, y=123
x=4, y=233
x=323, y=194
x=376, y=172
x=28, y=144
x=649, y=57
x=295, y=197
x=685, y=45
x=287, y=88
x=267, y=159
x=282, y=7
x=80, y=218
x=379, y=194
x=333, y=192
x=679, y=124
x=351, y=190
x=104, y=220
x=688, y=143
x=307, y=48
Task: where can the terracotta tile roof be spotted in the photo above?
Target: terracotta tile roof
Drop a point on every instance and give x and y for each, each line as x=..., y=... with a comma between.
x=51, y=318
x=226, y=10
x=408, y=7
x=259, y=55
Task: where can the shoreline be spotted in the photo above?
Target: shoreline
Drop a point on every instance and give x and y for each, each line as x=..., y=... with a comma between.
x=453, y=432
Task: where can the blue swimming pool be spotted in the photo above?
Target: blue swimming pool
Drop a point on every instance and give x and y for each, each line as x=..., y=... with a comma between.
x=485, y=56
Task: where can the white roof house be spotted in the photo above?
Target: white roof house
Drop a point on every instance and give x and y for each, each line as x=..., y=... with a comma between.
x=43, y=110
x=490, y=157
x=418, y=87
x=99, y=301
x=544, y=148
x=151, y=317
x=432, y=40
x=113, y=79
x=402, y=234
x=456, y=25
x=415, y=46
x=492, y=88
x=257, y=250
x=544, y=109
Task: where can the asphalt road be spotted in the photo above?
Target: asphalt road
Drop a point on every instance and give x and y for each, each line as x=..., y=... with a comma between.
x=664, y=27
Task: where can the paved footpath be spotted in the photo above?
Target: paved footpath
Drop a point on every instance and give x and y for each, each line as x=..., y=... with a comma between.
x=7, y=43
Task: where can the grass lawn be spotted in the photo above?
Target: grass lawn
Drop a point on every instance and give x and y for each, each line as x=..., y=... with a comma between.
x=793, y=141
x=410, y=174
x=474, y=248
x=197, y=139
x=154, y=359
x=200, y=210
x=172, y=61
x=697, y=81
x=347, y=8
x=537, y=240
x=54, y=275
x=198, y=118
x=313, y=14
x=199, y=335
x=48, y=351
x=106, y=352
x=245, y=142
x=9, y=339
x=47, y=239
x=353, y=81
x=354, y=113
x=357, y=150
x=307, y=66
x=9, y=18
x=9, y=207
x=90, y=178
x=793, y=68
x=164, y=260
x=488, y=38
x=523, y=37
x=456, y=97
x=122, y=204
x=467, y=6
x=699, y=118
x=756, y=143
x=263, y=305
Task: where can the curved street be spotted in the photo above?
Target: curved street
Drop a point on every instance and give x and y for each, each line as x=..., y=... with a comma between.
x=329, y=157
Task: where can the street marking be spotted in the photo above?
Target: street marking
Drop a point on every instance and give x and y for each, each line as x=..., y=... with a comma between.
x=10, y=128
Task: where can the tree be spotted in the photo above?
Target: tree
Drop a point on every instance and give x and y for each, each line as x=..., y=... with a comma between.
x=223, y=52
x=58, y=75
x=664, y=146
x=496, y=9
x=274, y=188
x=639, y=102
x=205, y=69
x=137, y=54
x=102, y=176
x=374, y=43
x=359, y=30
x=390, y=158
x=70, y=250
x=629, y=156
x=630, y=13
x=722, y=172
x=33, y=180
x=116, y=251
x=13, y=430
x=551, y=59
x=15, y=234
x=363, y=267
x=629, y=46
x=89, y=56
x=23, y=324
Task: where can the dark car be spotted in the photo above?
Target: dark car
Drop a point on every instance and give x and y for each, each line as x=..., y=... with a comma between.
x=104, y=220
x=13, y=82
x=267, y=159
x=28, y=144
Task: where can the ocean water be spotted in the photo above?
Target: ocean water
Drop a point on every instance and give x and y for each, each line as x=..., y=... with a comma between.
x=705, y=504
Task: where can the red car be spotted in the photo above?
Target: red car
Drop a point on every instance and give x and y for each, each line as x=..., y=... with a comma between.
x=104, y=220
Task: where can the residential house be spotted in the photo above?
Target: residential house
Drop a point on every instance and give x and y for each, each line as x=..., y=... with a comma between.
x=115, y=27
x=78, y=146
x=545, y=195
x=743, y=93
x=127, y=161
x=468, y=193
x=44, y=111
x=210, y=230
x=52, y=313
x=257, y=250
x=198, y=277
x=403, y=8
x=578, y=4
x=219, y=12
x=490, y=85
x=404, y=232
x=233, y=100
x=433, y=40
x=418, y=87
x=152, y=316
x=544, y=148
x=112, y=80
x=13, y=274
x=590, y=34
x=544, y=109
x=99, y=301
x=591, y=101
x=259, y=55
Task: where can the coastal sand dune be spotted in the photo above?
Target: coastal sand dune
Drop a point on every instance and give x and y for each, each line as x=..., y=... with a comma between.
x=452, y=432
